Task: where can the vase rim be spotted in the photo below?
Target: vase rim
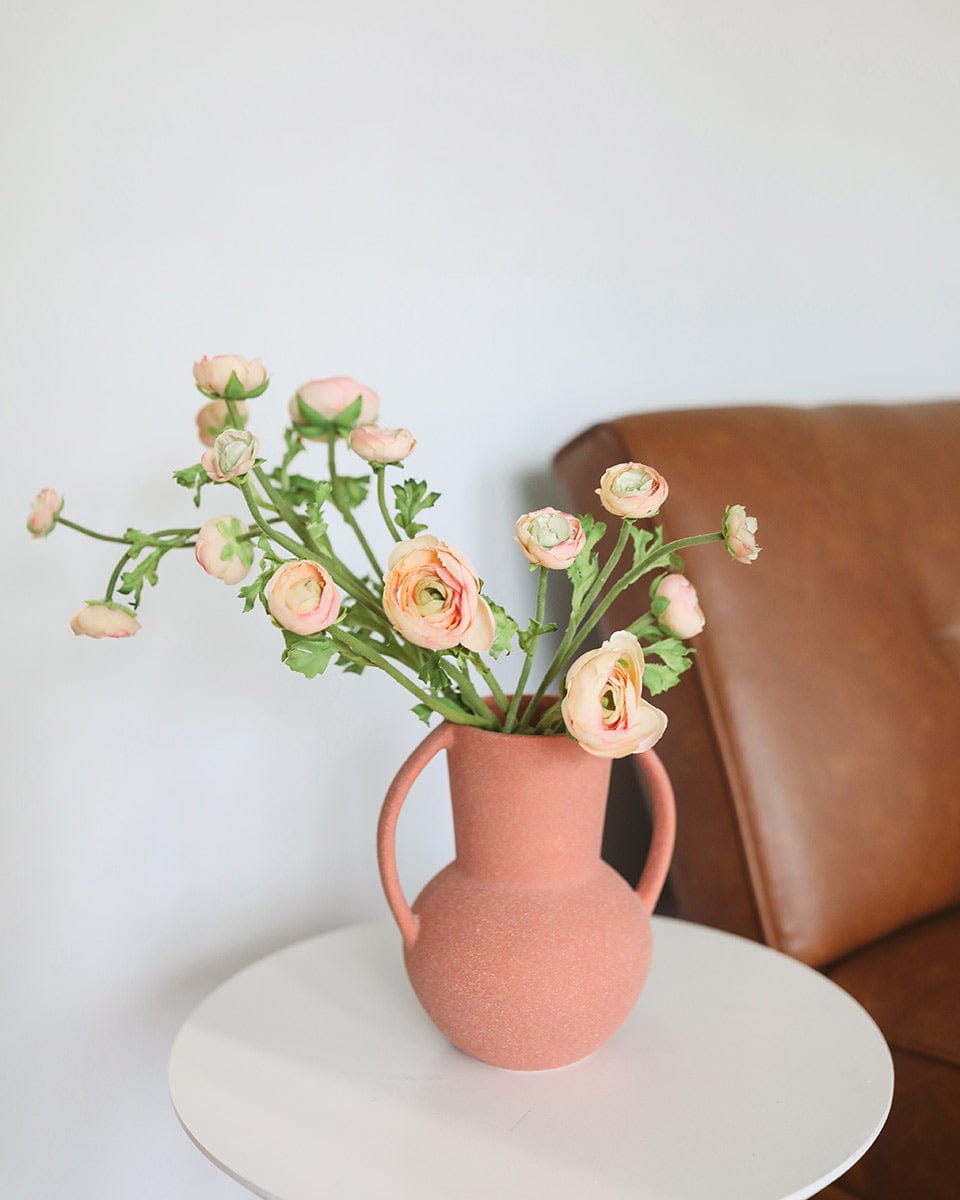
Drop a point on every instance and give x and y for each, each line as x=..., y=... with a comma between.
x=545, y=703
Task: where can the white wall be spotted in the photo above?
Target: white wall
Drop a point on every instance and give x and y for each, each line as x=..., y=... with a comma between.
x=511, y=219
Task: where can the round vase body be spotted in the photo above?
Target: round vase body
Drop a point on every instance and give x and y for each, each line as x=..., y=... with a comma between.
x=527, y=951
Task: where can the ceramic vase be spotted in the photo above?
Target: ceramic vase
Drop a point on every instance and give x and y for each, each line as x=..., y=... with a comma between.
x=528, y=951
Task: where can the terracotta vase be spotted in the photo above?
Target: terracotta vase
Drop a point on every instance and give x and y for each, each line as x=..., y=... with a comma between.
x=527, y=951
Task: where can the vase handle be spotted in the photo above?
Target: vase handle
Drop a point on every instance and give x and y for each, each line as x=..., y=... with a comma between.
x=407, y=921
x=664, y=830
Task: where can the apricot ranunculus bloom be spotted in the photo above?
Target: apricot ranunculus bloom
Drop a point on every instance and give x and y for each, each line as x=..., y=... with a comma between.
x=683, y=615
x=213, y=375
x=234, y=452
x=302, y=597
x=431, y=595
x=376, y=444
x=550, y=538
x=329, y=397
x=632, y=490
x=44, y=512
x=739, y=533
x=100, y=619
x=213, y=539
x=603, y=709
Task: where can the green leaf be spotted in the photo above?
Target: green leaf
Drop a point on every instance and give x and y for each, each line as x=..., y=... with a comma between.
x=344, y=421
x=645, y=542
x=431, y=673
x=658, y=679
x=411, y=497
x=192, y=477
x=311, y=421
x=585, y=568
x=671, y=652
x=132, y=582
x=529, y=637
x=316, y=523
x=309, y=656
x=505, y=629
x=423, y=712
x=349, y=491
x=659, y=605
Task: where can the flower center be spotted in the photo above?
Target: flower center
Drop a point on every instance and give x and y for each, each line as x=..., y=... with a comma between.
x=549, y=530
x=304, y=595
x=430, y=596
x=630, y=483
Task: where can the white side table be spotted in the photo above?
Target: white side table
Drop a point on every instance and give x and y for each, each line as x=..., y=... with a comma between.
x=740, y=1075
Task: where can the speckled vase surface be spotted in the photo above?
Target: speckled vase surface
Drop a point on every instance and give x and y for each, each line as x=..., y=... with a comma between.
x=527, y=951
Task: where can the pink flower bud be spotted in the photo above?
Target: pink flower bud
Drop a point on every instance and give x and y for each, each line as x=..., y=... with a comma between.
x=632, y=490
x=683, y=615
x=329, y=397
x=234, y=452
x=219, y=551
x=379, y=445
x=431, y=595
x=213, y=376
x=739, y=533
x=212, y=419
x=102, y=619
x=550, y=538
x=44, y=512
x=602, y=706
x=302, y=597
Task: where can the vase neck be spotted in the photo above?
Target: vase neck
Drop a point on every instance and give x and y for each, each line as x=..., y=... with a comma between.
x=526, y=809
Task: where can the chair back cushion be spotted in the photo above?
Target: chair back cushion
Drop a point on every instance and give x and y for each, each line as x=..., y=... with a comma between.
x=816, y=747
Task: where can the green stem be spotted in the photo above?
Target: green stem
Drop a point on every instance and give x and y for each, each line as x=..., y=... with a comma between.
x=249, y=494
x=511, y=717
x=571, y=644
x=549, y=717
x=468, y=691
x=115, y=577
x=344, y=509
x=381, y=474
x=280, y=504
x=575, y=617
x=635, y=573
x=101, y=537
x=363, y=652
x=490, y=680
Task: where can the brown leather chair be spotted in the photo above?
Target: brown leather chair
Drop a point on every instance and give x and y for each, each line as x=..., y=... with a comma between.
x=815, y=746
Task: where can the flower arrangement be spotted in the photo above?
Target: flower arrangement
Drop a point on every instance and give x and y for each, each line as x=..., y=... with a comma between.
x=422, y=617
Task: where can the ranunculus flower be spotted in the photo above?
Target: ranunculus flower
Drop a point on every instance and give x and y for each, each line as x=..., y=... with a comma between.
x=213, y=376
x=44, y=512
x=603, y=708
x=101, y=619
x=683, y=615
x=302, y=597
x=431, y=595
x=212, y=419
x=632, y=490
x=329, y=397
x=379, y=445
x=739, y=533
x=550, y=538
x=219, y=551
x=234, y=452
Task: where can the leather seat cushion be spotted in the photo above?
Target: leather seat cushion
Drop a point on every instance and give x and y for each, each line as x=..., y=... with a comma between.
x=910, y=984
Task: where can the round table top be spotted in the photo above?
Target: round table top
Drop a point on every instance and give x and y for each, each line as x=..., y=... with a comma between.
x=740, y=1072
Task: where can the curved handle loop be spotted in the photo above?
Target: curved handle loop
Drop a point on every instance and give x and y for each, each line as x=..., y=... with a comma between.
x=664, y=830
x=407, y=921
